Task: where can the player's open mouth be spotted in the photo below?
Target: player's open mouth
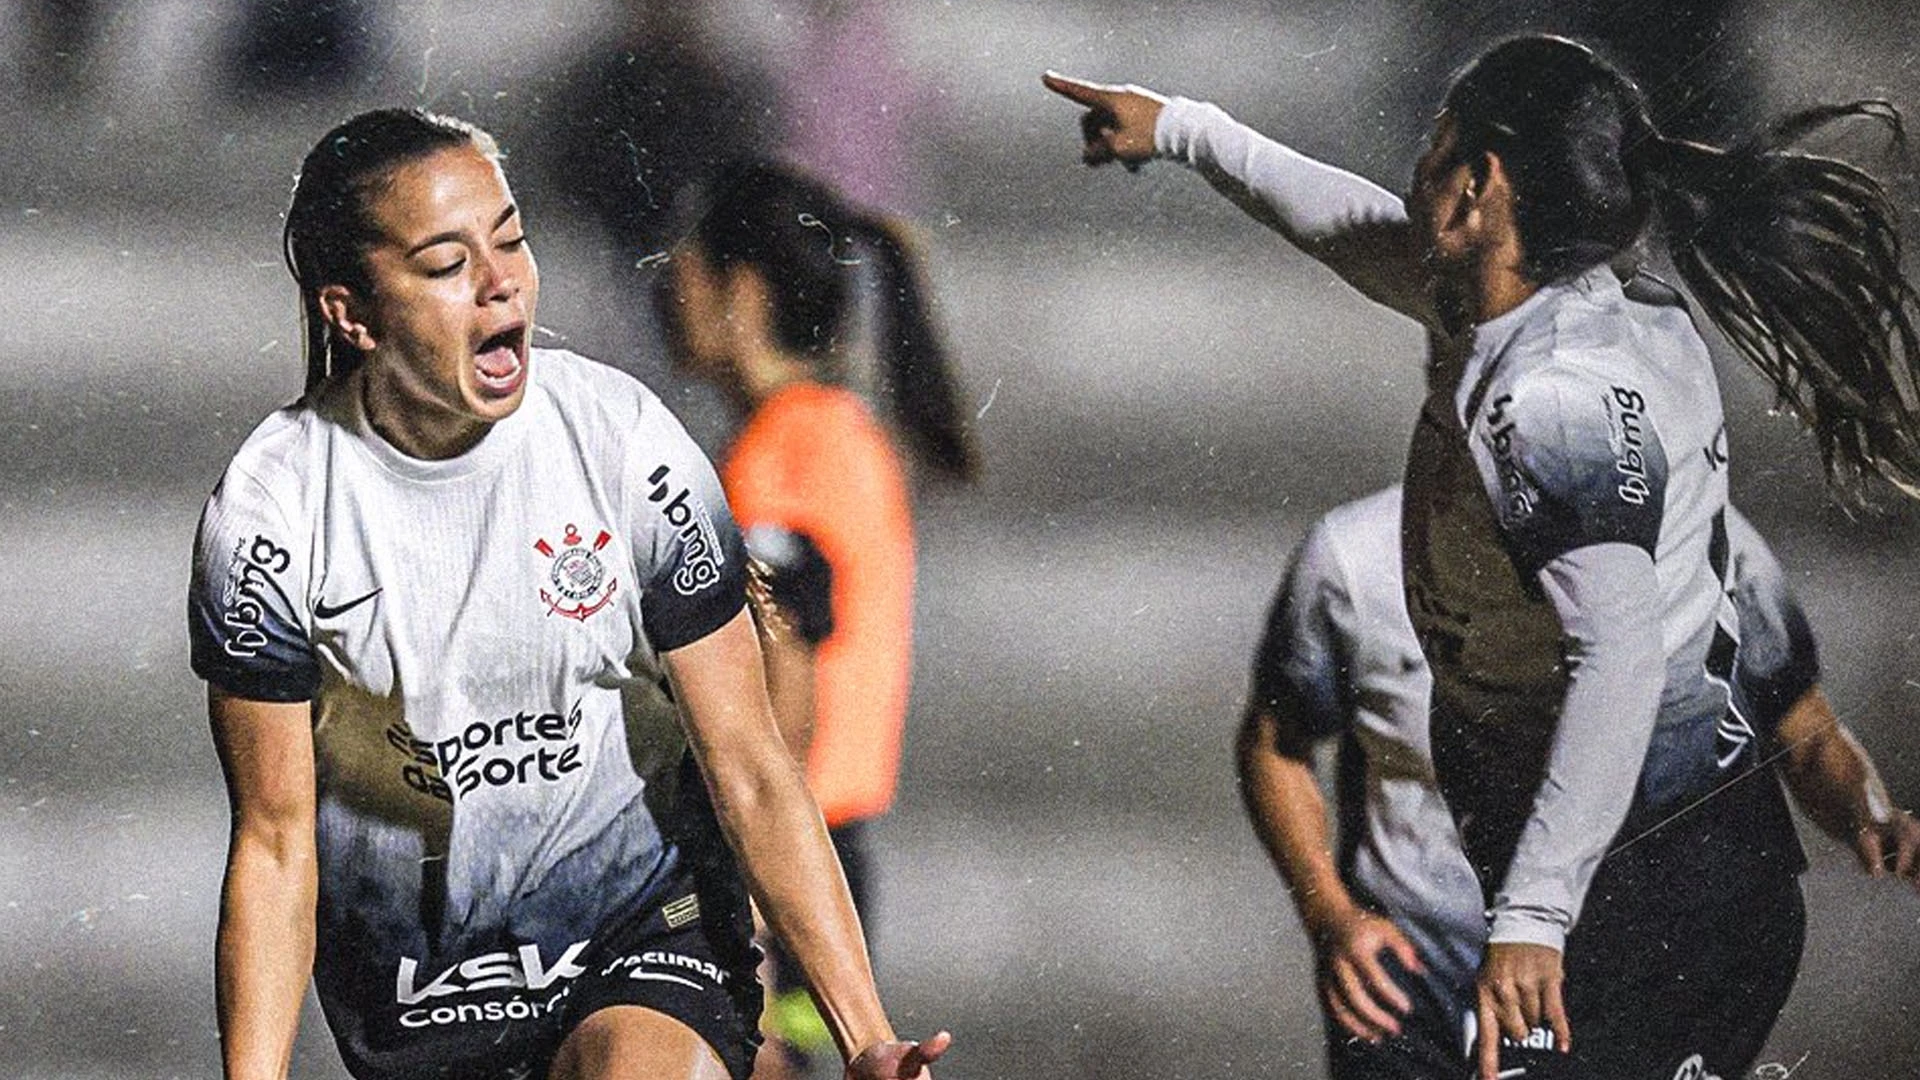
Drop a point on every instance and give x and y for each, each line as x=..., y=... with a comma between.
x=498, y=363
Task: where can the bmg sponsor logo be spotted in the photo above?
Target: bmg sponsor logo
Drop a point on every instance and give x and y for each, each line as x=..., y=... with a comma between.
x=1629, y=440
x=1513, y=480
x=520, y=969
x=524, y=748
x=252, y=594
x=700, y=554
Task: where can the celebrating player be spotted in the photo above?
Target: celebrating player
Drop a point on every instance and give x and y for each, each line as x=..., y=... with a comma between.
x=761, y=294
x=1564, y=537
x=434, y=601
x=1396, y=917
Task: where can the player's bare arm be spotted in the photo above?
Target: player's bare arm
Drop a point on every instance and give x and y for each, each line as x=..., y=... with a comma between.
x=1834, y=780
x=775, y=828
x=264, y=948
x=1287, y=811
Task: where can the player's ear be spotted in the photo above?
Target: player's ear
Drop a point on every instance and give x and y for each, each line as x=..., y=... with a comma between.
x=1486, y=204
x=346, y=313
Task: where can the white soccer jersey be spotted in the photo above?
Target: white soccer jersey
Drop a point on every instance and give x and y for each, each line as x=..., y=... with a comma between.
x=1585, y=420
x=479, y=637
x=1339, y=656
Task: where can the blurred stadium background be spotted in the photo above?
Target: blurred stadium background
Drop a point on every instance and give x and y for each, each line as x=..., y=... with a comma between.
x=1166, y=396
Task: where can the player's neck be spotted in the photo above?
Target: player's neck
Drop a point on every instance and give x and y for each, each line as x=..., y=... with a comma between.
x=764, y=372
x=1499, y=284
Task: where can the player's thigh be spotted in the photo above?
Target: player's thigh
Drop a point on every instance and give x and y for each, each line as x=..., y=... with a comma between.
x=1685, y=993
x=631, y=1042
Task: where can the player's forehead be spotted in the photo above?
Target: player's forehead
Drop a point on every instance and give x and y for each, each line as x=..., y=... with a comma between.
x=457, y=189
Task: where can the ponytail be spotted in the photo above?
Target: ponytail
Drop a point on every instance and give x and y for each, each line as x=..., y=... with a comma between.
x=811, y=249
x=1796, y=258
x=915, y=377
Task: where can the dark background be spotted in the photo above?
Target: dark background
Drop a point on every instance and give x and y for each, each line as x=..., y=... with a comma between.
x=1166, y=395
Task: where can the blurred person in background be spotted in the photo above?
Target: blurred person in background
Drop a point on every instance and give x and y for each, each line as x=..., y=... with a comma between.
x=1564, y=534
x=1387, y=896
x=847, y=92
x=764, y=294
x=625, y=128
x=286, y=51
x=439, y=602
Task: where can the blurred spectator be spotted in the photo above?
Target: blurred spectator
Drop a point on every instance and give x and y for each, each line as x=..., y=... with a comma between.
x=848, y=94
x=285, y=48
x=627, y=127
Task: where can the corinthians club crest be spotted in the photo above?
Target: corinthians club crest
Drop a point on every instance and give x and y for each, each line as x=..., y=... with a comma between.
x=577, y=582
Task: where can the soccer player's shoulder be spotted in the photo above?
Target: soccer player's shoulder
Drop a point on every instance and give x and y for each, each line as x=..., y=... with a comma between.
x=282, y=452
x=595, y=396
x=1366, y=517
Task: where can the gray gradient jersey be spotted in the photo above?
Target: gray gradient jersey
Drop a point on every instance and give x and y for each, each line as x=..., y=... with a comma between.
x=1569, y=480
x=1339, y=656
x=480, y=639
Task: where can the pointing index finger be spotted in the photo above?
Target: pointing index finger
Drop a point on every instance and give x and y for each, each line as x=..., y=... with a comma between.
x=1093, y=95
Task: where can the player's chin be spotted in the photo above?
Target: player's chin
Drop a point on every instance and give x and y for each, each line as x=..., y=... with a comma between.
x=494, y=399
x=491, y=407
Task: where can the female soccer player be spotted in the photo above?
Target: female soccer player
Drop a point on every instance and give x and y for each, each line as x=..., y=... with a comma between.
x=761, y=294
x=1393, y=910
x=1564, y=534
x=434, y=601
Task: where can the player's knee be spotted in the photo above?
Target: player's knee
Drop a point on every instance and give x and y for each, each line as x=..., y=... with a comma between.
x=628, y=1042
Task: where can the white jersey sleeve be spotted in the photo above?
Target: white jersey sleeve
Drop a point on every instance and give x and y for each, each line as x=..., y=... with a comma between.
x=247, y=617
x=1778, y=659
x=1581, y=476
x=692, y=560
x=1609, y=611
x=1355, y=227
x=1300, y=670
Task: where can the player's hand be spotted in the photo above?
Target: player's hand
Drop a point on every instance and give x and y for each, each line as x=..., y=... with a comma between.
x=1355, y=988
x=1890, y=843
x=1519, y=990
x=898, y=1060
x=1119, y=122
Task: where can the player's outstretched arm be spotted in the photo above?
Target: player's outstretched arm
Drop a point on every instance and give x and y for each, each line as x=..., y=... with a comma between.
x=1833, y=779
x=776, y=831
x=263, y=951
x=1355, y=227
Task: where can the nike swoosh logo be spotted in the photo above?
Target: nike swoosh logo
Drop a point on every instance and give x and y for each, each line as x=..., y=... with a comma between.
x=324, y=610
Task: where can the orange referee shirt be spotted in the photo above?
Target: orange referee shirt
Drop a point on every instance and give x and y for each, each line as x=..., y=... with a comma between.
x=813, y=460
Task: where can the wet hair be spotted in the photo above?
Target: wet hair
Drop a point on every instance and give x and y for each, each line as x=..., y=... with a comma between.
x=1794, y=256
x=329, y=221
x=809, y=245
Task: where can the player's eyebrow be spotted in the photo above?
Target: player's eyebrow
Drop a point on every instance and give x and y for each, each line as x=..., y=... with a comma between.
x=453, y=235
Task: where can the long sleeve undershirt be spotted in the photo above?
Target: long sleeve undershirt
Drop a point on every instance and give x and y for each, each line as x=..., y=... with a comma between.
x=1352, y=225
x=1608, y=604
